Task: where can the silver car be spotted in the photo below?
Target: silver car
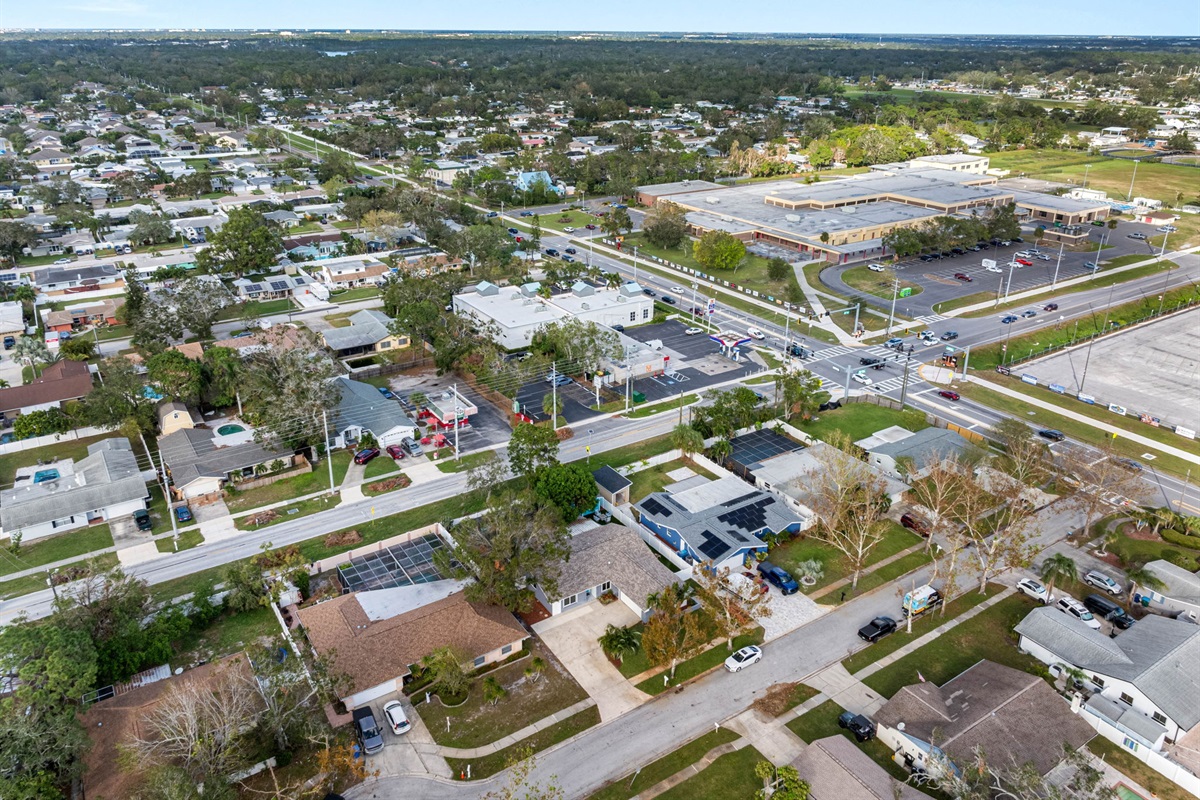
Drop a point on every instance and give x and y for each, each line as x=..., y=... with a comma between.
x=1102, y=581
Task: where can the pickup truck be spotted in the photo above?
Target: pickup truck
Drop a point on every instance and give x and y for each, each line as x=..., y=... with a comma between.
x=368, y=730
x=779, y=577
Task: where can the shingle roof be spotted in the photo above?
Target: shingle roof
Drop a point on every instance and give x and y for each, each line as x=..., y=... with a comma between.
x=371, y=652
x=926, y=446
x=192, y=453
x=1157, y=655
x=617, y=554
x=1179, y=584
x=62, y=380
x=836, y=769
x=361, y=404
x=107, y=476
x=367, y=327
x=995, y=708
x=610, y=480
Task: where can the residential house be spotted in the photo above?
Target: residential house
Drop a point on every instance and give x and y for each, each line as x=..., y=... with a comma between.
x=284, y=218
x=175, y=416
x=1002, y=711
x=528, y=180
x=200, y=462
x=611, y=559
x=1179, y=594
x=362, y=409
x=444, y=171
x=281, y=336
x=835, y=768
x=12, y=319
x=717, y=521
x=76, y=278
x=45, y=500
x=375, y=637
x=1149, y=670
x=60, y=382
x=345, y=273
x=48, y=157
x=277, y=287
x=103, y=312
x=368, y=332
x=915, y=455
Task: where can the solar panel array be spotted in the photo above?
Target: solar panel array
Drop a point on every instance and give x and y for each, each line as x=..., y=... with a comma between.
x=402, y=564
x=279, y=286
x=656, y=508
x=756, y=446
x=713, y=546
x=751, y=517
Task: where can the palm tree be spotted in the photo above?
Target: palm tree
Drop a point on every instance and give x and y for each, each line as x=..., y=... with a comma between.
x=687, y=440
x=1058, y=568
x=613, y=280
x=31, y=351
x=1138, y=575
x=1107, y=540
x=552, y=405
x=720, y=450
x=616, y=642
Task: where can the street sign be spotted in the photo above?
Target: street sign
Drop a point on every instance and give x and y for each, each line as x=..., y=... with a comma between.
x=989, y=262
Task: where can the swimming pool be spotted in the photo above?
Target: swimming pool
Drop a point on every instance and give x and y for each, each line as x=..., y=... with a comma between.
x=225, y=430
x=41, y=476
x=1125, y=793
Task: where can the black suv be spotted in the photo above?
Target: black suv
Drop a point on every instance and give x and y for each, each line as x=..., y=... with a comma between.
x=141, y=518
x=870, y=361
x=1103, y=607
x=862, y=728
x=368, y=730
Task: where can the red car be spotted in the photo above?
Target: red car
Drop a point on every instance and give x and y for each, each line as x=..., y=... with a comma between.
x=949, y=395
x=590, y=227
x=962, y=276
x=365, y=455
x=395, y=451
x=1050, y=307
x=1024, y=262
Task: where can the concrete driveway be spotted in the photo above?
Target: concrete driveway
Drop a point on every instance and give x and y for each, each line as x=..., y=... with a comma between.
x=573, y=638
x=412, y=753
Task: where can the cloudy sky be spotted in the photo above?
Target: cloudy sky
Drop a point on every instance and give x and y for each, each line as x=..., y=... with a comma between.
x=1072, y=17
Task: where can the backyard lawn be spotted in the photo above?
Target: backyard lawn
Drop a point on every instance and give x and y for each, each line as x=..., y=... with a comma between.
x=988, y=635
x=477, y=722
x=860, y=420
x=730, y=777
x=654, y=479
x=664, y=767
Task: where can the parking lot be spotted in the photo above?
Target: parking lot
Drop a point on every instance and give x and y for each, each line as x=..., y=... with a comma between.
x=488, y=426
x=703, y=365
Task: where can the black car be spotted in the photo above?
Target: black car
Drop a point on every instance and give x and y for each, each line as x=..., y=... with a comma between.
x=779, y=577
x=869, y=360
x=668, y=300
x=141, y=518
x=550, y=251
x=618, y=328
x=1018, y=240
x=949, y=336
x=927, y=257
x=798, y=351
x=957, y=251
x=1103, y=607
x=9, y=342
x=649, y=293
x=876, y=629
x=570, y=250
x=862, y=728
x=368, y=730
x=1052, y=435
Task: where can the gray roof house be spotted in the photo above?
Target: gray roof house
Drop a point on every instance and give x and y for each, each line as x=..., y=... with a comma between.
x=610, y=558
x=62, y=496
x=836, y=769
x=1180, y=593
x=199, y=464
x=362, y=408
x=718, y=520
x=53, y=279
x=614, y=487
x=1150, y=668
x=924, y=449
x=368, y=332
x=1003, y=711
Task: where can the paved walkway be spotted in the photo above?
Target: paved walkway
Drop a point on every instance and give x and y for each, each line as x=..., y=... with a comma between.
x=813, y=293
x=513, y=738
x=769, y=736
x=1095, y=423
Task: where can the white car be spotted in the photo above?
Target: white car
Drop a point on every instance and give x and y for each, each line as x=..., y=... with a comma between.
x=568, y=230
x=62, y=261
x=397, y=719
x=692, y=331
x=930, y=342
x=861, y=377
x=1024, y=254
x=677, y=289
x=1043, y=257
x=1102, y=581
x=750, y=654
x=755, y=333
x=1035, y=590
x=1016, y=264
x=1073, y=608
x=876, y=268
x=993, y=268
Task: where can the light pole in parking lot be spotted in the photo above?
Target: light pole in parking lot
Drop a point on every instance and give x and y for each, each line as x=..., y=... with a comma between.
x=1008, y=288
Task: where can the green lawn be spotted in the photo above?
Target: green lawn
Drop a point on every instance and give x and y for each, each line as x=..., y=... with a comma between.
x=860, y=420
x=230, y=633
x=487, y=766
x=1154, y=179
x=357, y=293
x=665, y=767
x=657, y=408
x=1141, y=772
x=57, y=548
x=110, y=332
x=255, y=308
x=32, y=583
x=988, y=635
x=730, y=777
x=187, y=540
x=383, y=464
x=550, y=221
x=701, y=663
x=477, y=722
x=74, y=449
x=296, y=486
x=751, y=275
x=289, y=511
x=791, y=553
x=654, y=479
x=876, y=283
x=884, y=575
x=921, y=625
x=1082, y=431
x=1140, y=551
x=466, y=462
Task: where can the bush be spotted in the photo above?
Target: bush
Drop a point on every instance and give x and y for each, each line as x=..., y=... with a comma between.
x=1175, y=537
x=1181, y=560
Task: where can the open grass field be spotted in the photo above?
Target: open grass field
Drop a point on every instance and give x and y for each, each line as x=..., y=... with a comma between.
x=1165, y=182
x=730, y=777
x=860, y=420
x=876, y=283
x=752, y=274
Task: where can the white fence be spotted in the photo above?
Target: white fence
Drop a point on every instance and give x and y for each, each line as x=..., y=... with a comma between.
x=1172, y=770
x=42, y=441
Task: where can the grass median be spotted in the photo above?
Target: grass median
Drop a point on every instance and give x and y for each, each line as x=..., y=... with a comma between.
x=665, y=767
x=486, y=766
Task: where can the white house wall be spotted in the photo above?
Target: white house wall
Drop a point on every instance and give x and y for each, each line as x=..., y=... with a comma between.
x=1157, y=761
x=374, y=693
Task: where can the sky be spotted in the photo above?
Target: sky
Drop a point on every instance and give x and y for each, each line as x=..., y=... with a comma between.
x=1069, y=17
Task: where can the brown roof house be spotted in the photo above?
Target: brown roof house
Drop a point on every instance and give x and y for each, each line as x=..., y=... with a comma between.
x=61, y=381
x=1002, y=711
x=376, y=636
x=835, y=768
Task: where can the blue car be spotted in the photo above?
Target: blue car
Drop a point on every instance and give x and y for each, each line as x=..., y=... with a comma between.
x=383, y=390
x=183, y=514
x=1009, y=319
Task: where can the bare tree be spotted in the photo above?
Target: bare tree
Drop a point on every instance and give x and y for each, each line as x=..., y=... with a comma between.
x=1103, y=480
x=984, y=778
x=998, y=522
x=1025, y=457
x=735, y=603
x=850, y=500
x=939, y=496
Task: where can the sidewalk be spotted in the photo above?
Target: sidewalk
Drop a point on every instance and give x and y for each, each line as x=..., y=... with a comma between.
x=514, y=738
x=1095, y=423
x=1040, y=290
x=692, y=769
x=812, y=293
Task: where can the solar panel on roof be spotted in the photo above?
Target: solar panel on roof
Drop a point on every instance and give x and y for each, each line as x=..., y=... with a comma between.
x=652, y=505
x=713, y=547
x=279, y=286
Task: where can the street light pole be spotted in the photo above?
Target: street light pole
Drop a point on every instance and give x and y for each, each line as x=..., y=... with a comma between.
x=895, y=291
x=1008, y=288
x=1086, y=167
x=1058, y=264
x=1131, y=180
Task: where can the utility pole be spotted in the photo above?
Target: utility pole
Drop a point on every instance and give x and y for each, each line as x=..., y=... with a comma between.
x=554, y=396
x=162, y=479
x=457, y=413
x=635, y=263
x=1131, y=180
x=895, y=291
x=1057, y=264
x=328, y=449
x=904, y=383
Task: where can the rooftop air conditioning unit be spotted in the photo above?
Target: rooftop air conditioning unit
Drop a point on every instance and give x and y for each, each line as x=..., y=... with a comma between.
x=792, y=217
x=726, y=219
x=585, y=306
x=850, y=210
x=712, y=201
